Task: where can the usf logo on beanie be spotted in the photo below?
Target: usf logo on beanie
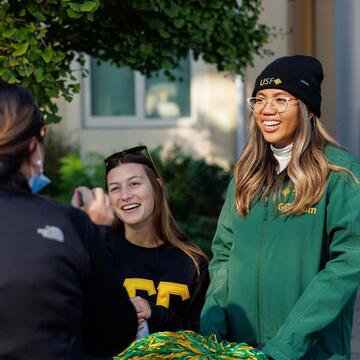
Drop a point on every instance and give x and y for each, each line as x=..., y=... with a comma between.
x=299, y=75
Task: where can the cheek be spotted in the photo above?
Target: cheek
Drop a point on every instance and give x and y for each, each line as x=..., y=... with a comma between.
x=150, y=201
x=112, y=199
x=257, y=119
x=151, y=204
x=292, y=126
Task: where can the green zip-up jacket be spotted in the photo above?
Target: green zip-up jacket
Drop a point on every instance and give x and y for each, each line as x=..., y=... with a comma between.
x=289, y=282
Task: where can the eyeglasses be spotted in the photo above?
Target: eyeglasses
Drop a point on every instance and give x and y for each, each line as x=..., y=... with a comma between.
x=279, y=103
x=113, y=160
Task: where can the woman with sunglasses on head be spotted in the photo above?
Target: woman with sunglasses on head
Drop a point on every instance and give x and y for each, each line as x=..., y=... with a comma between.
x=59, y=298
x=286, y=262
x=164, y=272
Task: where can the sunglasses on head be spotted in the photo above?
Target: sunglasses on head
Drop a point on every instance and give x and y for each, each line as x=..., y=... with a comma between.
x=113, y=160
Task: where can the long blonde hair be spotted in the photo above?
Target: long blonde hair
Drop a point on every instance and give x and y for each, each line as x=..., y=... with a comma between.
x=164, y=224
x=256, y=171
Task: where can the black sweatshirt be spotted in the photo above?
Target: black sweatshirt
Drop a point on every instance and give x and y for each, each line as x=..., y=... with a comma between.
x=59, y=298
x=166, y=277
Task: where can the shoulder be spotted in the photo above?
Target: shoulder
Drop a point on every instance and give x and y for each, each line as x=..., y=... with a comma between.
x=41, y=206
x=176, y=256
x=341, y=157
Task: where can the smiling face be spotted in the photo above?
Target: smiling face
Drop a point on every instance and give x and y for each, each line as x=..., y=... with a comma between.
x=131, y=194
x=277, y=128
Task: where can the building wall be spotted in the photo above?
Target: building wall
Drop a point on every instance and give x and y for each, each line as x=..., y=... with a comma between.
x=211, y=134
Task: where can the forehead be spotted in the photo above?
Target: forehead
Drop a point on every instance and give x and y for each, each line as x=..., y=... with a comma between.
x=126, y=171
x=269, y=93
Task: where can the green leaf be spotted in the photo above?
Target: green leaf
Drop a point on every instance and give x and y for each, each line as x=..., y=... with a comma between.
x=24, y=71
x=172, y=11
x=22, y=34
x=75, y=6
x=20, y=49
x=146, y=48
x=72, y=14
x=53, y=107
x=8, y=76
x=88, y=6
x=39, y=16
x=47, y=54
x=8, y=34
x=31, y=27
x=179, y=23
x=166, y=64
x=14, y=62
x=164, y=33
x=2, y=14
x=39, y=74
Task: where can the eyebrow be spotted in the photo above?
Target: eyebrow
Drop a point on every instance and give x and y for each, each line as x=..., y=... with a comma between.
x=129, y=179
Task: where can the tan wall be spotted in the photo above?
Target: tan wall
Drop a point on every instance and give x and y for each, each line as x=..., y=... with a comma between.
x=325, y=51
x=275, y=15
x=211, y=136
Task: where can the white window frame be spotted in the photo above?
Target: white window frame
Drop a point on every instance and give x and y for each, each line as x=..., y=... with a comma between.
x=138, y=120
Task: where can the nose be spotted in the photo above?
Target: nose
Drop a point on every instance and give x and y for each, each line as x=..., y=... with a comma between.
x=268, y=108
x=126, y=194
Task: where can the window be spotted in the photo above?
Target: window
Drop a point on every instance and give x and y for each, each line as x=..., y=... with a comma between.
x=119, y=97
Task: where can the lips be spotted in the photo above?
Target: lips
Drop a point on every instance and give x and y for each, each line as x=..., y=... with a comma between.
x=271, y=125
x=130, y=207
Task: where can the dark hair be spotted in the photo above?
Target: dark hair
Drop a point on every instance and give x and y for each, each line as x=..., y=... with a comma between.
x=164, y=223
x=20, y=120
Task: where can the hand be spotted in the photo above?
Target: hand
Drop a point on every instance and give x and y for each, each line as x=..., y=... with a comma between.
x=95, y=203
x=142, y=307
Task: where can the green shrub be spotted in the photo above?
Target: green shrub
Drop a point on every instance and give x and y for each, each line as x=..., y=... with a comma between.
x=75, y=172
x=57, y=147
x=196, y=192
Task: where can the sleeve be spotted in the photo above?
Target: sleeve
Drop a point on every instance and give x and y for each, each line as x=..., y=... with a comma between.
x=109, y=318
x=164, y=318
x=333, y=287
x=213, y=317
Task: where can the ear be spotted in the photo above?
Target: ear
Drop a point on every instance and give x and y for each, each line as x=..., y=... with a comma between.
x=34, y=156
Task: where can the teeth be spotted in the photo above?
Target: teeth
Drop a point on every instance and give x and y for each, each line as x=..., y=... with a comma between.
x=130, y=206
x=271, y=123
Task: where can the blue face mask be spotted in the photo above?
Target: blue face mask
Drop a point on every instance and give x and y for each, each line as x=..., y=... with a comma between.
x=38, y=182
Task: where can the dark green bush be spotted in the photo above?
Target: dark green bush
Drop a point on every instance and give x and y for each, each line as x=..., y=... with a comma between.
x=195, y=189
x=196, y=192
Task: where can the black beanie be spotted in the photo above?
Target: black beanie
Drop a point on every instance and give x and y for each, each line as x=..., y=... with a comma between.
x=299, y=75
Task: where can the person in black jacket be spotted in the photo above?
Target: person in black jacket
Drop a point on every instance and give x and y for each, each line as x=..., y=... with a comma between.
x=58, y=295
x=164, y=272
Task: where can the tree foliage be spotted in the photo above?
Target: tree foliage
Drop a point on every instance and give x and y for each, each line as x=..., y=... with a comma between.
x=39, y=39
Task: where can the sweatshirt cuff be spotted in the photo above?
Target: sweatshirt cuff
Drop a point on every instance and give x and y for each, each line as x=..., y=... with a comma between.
x=270, y=350
x=156, y=318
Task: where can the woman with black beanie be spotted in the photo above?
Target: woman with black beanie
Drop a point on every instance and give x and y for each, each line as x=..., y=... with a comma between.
x=286, y=262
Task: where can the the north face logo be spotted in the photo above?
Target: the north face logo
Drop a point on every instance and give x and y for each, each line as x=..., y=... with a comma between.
x=51, y=232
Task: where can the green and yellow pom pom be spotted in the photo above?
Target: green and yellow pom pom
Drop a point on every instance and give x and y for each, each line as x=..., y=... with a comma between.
x=187, y=345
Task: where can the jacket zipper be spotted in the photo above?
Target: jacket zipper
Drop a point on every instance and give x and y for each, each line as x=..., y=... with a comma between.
x=260, y=330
